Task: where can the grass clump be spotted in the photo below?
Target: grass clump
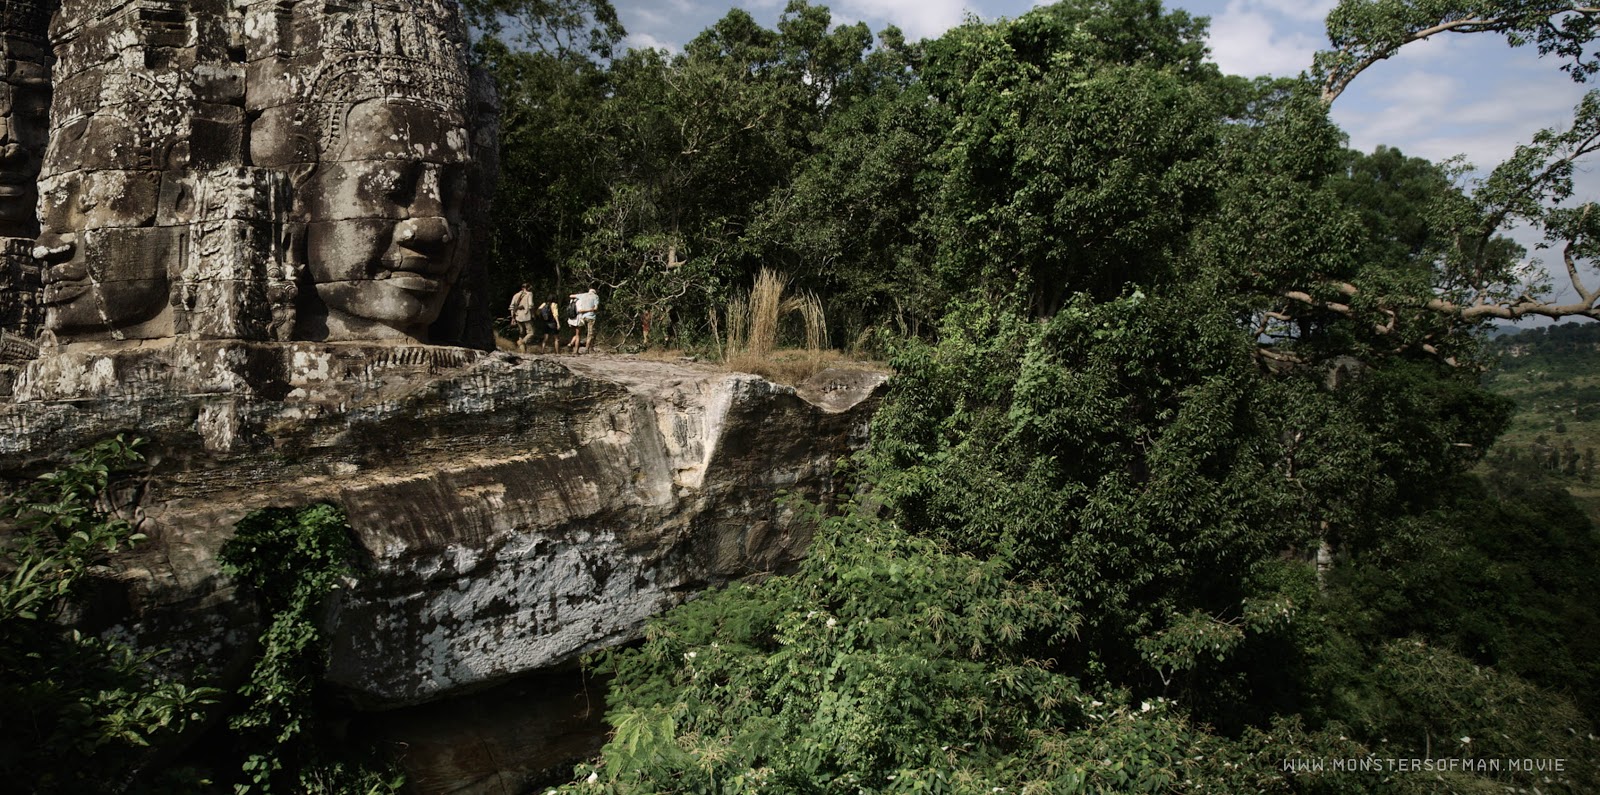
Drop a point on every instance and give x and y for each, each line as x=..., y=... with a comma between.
x=757, y=322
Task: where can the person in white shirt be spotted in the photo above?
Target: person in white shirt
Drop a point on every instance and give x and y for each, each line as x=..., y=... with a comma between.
x=522, y=314
x=588, y=305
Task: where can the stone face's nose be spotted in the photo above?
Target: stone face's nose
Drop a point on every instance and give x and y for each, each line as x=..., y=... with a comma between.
x=53, y=248
x=425, y=235
x=12, y=154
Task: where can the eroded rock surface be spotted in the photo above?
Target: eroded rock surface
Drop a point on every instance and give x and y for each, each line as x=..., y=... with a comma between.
x=517, y=511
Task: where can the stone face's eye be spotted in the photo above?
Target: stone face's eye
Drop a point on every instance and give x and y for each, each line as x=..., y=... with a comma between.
x=390, y=183
x=455, y=187
x=408, y=177
x=399, y=183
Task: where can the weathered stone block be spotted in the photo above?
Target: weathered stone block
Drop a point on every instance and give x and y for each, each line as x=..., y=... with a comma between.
x=86, y=199
x=216, y=136
x=219, y=83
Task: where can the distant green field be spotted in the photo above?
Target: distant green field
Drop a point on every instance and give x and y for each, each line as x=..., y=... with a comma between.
x=1553, y=374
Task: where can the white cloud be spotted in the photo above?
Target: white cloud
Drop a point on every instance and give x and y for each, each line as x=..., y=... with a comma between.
x=645, y=41
x=918, y=18
x=1307, y=10
x=1430, y=50
x=650, y=17
x=1247, y=41
x=1436, y=114
x=1418, y=87
x=1534, y=108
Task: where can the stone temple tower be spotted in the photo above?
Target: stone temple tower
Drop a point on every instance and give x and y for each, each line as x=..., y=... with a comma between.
x=250, y=170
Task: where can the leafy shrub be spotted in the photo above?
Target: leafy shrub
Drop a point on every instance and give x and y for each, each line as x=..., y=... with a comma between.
x=80, y=713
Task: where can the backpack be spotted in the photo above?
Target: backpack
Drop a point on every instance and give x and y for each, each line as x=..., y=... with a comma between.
x=547, y=313
x=572, y=310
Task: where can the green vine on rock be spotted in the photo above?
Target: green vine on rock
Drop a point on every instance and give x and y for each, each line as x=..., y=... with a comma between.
x=291, y=559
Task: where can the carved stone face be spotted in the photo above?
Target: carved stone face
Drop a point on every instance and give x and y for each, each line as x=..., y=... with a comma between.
x=23, y=131
x=105, y=268
x=383, y=220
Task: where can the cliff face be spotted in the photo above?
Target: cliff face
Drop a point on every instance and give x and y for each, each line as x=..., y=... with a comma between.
x=516, y=511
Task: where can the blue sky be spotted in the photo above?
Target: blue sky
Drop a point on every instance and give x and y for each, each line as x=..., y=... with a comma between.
x=1453, y=95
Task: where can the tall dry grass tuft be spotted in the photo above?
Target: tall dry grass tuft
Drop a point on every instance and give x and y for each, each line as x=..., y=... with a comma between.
x=765, y=309
x=754, y=321
x=809, y=307
x=738, y=323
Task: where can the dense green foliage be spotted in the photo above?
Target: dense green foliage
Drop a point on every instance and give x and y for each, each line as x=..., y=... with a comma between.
x=84, y=713
x=669, y=180
x=78, y=712
x=1085, y=563
x=1176, y=484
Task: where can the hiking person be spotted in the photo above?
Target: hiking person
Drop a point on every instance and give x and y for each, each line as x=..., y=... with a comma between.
x=586, y=306
x=549, y=314
x=521, y=312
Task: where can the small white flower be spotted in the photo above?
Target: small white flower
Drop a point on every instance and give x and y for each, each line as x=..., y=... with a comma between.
x=1466, y=740
x=593, y=777
x=1095, y=703
x=689, y=655
x=1145, y=707
x=832, y=622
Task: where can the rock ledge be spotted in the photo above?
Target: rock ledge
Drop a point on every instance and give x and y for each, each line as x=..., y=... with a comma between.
x=516, y=511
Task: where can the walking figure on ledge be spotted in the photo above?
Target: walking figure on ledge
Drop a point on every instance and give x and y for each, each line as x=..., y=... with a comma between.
x=522, y=315
x=549, y=315
x=585, y=305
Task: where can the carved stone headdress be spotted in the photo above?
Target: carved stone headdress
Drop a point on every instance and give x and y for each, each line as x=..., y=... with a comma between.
x=410, y=55
x=349, y=80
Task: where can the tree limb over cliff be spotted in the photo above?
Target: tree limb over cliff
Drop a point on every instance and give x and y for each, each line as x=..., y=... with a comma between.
x=1476, y=273
x=1364, y=32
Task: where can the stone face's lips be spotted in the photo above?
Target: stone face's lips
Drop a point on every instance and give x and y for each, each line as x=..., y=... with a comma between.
x=14, y=191
x=431, y=266
x=49, y=253
x=64, y=293
x=414, y=282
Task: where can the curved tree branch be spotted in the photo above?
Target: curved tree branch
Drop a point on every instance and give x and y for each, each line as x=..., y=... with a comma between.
x=1355, y=53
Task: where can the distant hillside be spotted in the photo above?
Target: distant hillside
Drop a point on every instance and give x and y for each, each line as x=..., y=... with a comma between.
x=1560, y=340
x=1553, y=374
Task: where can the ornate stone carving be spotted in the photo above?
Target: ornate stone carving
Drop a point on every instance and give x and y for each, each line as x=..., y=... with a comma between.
x=144, y=105
x=369, y=109
x=24, y=130
x=263, y=170
x=24, y=109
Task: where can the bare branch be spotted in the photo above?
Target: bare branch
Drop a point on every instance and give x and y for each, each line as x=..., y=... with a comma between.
x=1340, y=77
x=1515, y=310
x=1343, y=309
x=1348, y=64
x=1571, y=261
